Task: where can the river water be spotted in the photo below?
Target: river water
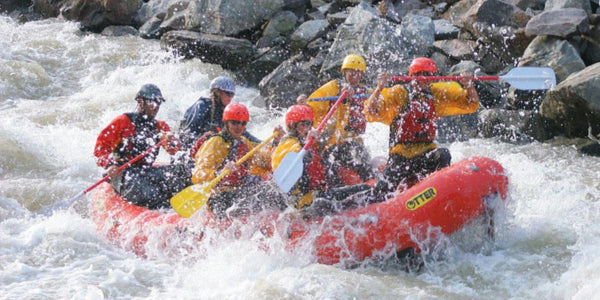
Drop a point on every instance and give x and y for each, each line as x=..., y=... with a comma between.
x=59, y=87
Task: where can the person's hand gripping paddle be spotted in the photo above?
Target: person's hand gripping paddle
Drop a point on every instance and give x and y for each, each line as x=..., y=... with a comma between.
x=193, y=197
x=290, y=168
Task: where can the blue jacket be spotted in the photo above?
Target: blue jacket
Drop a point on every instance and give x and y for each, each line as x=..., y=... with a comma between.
x=200, y=118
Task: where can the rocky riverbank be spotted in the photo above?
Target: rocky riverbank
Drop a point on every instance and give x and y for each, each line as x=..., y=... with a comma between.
x=288, y=47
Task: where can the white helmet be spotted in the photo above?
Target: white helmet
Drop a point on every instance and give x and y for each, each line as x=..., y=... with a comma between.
x=223, y=83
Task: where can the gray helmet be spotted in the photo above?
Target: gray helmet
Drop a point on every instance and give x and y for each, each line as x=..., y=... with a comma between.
x=223, y=83
x=150, y=91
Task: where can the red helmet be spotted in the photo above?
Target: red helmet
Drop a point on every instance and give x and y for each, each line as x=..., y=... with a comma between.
x=297, y=113
x=422, y=64
x=235, y=112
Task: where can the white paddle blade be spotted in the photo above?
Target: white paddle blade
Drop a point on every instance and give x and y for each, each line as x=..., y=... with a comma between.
x=289, y=170
x=530, y=78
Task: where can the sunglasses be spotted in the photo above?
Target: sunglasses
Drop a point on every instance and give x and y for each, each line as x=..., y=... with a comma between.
x=238, y=123
x=305, y=123
x=154, y=101
x=230, y=94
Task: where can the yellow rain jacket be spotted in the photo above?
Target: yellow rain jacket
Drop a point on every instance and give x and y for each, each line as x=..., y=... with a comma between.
x=335, y=131
x=449, y=99
x=212, y=154
x=304, y=196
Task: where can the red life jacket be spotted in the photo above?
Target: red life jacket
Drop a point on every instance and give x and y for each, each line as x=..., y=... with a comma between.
x=313, y=176
x=237, y=150
x=418, y=122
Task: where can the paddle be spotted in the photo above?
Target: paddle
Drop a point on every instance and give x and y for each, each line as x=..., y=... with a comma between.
x=522, y=78
x=193, y=197
x=46, y=211
x=290, y=168
x=359, y=96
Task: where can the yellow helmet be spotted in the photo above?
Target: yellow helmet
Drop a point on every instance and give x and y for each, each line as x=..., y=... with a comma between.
x=355, y=62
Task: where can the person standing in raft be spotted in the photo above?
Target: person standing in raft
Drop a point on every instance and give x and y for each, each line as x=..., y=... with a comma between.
x=131, y=134
x=341, y=141
x=412, y=116
x=310, y=193
x=241, y=191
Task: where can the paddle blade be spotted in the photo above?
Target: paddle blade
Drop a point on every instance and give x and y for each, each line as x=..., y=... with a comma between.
x=289, y=170
x=190, y=200
x=530, y=78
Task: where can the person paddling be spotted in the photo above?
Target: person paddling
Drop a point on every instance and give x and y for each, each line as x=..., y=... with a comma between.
x=311, y=187
x=241, y=191
x=412, y=115
x=129, y=135
x=341, y=140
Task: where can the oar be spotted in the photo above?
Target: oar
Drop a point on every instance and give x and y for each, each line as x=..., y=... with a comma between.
x=193, y=197
x=522, y=78
x=290, y=168
x=46, y=211
x=359, y=96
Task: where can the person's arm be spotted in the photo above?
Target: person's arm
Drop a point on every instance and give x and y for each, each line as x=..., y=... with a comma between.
x=450, y=99
x=173, y=144
x=320, y=108
x=385, y=108
x=372, y=103
x=108, y=140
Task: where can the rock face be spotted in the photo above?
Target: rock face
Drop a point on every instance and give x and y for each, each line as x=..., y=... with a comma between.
x=290, y=47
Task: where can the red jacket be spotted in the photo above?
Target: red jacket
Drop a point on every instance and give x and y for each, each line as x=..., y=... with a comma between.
x=115, y=144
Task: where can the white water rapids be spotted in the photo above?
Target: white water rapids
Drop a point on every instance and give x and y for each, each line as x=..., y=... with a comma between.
x=59, y=87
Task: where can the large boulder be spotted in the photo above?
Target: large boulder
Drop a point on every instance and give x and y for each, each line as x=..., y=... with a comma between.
x=563, y=23
x=281, y=87
x=230, y=53
x=574, y=105
x=384, y=45
x=229, y=17
x=94, y=15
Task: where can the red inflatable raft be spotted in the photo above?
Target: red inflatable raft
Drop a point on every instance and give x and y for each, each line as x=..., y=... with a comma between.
x=445, y=201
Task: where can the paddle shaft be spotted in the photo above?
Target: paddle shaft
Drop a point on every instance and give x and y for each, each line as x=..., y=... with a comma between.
x=442, y=78
x=240, y=161
x=66, y=203
x=126, y=165
x=326, y=118
x=359, y=96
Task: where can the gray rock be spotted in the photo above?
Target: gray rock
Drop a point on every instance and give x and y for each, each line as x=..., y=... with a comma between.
x=574, y=104
x=456, y=49
x=229, y=17
x=514, y=126
x=281, y=87
x=231, y=53
x=555, y=53
x=444, y=30
x=119, y=31
x=307, y=32
x=560, y=4
x=562, y=22
x=282, y=23
x=151, y=29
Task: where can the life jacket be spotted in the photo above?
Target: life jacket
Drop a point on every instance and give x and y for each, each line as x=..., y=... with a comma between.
x=237, y=149
x=417, y=123
x=200, y=141
x=357, y=121
x=144, y=137
x=313, y=176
